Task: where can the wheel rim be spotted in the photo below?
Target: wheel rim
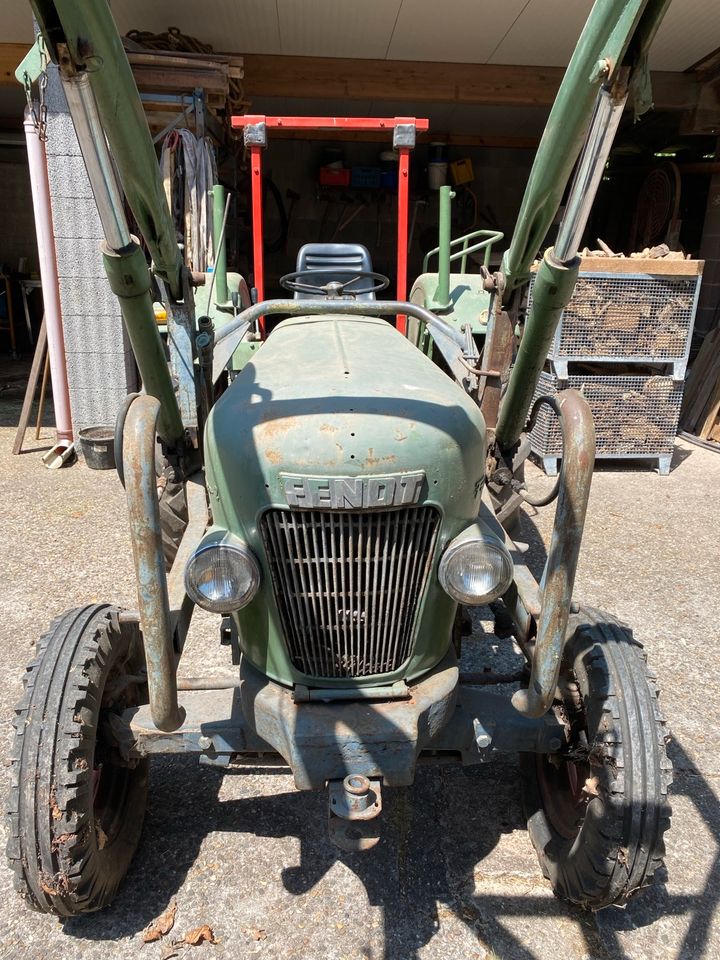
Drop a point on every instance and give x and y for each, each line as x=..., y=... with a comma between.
x=563, y=782
x=110, y=785
x=564, y=798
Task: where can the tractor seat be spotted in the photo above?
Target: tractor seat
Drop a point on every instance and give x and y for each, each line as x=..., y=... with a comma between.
x=349, y=258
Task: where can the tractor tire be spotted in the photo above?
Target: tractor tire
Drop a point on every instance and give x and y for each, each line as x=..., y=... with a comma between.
x=76, y=808
x=173, y=515
x=597, y=816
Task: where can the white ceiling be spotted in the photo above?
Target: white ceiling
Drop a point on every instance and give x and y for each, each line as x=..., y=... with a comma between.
x=533, y=32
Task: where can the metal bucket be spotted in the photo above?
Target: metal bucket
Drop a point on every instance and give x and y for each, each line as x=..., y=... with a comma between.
x=97, y=445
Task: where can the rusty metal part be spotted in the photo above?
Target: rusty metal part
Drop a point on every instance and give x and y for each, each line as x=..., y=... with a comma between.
x=353, y=804
x=578, y=434
x=181, y=607
x=373, y=740
x=144, y=513
x=497, y=356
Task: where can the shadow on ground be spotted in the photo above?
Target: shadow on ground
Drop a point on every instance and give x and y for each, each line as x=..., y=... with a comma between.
x=436, y=837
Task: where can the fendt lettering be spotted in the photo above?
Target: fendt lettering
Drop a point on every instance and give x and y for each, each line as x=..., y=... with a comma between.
x=353, y=493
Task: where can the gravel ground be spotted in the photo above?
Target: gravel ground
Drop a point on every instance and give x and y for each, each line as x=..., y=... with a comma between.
x=455, y=876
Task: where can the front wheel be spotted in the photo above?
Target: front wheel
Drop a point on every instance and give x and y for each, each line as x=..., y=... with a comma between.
x=597, y=814
x=76, y=807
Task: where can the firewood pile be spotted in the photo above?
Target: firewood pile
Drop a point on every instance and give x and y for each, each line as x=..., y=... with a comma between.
x=620, y=318
x=701, y=406
x=623, y=341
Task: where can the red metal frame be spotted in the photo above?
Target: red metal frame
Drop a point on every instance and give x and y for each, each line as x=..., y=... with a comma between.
x=331, y=123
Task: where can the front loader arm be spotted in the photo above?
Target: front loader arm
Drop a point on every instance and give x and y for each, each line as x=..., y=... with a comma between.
x=610, y=59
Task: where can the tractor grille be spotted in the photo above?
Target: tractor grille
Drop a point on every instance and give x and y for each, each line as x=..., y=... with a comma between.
x=348, y=584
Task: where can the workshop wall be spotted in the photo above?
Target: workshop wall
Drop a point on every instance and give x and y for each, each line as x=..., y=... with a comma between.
x=491, y=201
x=17, y=238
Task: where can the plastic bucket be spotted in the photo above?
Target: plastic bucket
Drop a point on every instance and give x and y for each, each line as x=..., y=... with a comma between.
x=98, y=447
x=437, y=175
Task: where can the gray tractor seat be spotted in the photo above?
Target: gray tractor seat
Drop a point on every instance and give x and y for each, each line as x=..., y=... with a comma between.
x=349, y=258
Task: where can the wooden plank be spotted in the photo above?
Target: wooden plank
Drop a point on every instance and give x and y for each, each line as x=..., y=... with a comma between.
x=704, y=375
x=659, y=267
x=161, y=79
x=698, y=377
x=11, y=54
x=37, y=364
x=491, y=84
x=712, y=410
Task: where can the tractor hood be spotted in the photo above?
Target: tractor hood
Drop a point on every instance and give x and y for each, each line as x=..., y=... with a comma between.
x=342, y=413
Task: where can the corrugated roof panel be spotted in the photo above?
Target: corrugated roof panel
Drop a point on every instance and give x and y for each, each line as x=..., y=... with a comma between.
x=237, y=26
x=336, y=28
x=458, y=31
x=689, y=32
x=544, y=34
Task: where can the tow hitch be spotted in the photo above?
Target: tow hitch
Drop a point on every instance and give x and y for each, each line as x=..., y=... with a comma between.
x=353, y=807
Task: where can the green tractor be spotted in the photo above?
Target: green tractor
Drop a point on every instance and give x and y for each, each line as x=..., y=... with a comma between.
x=337, y=505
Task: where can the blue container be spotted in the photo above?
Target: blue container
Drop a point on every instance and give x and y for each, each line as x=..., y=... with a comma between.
x=365, y=178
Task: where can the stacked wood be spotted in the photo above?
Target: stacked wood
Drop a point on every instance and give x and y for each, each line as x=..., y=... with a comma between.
x=621, y=320
x=172, y=62
x=701, y=406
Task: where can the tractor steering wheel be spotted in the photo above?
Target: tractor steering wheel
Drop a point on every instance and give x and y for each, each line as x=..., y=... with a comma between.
x=301, y=282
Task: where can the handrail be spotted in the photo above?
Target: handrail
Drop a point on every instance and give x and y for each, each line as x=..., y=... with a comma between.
x=493, y=236
x=356, y=308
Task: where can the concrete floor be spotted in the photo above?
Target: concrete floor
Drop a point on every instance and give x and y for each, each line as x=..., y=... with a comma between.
x=455, y=877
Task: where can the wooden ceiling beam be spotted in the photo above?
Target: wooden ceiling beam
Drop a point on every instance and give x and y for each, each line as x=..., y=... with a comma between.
x=413, y=81
x=11, y=54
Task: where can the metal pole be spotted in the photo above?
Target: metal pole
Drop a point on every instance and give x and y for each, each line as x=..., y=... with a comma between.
x=402, y=231
x=146, y=537
x=257, y=219
x=578, y=434
x=49, y=276
x=442, y=294
x=603, y=126
x=220, y=267
x=91, y=137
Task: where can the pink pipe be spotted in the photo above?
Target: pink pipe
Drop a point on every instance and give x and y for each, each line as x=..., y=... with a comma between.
x=40, y=187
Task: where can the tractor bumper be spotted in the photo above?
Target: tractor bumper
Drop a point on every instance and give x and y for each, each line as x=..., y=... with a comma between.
x=256, y=722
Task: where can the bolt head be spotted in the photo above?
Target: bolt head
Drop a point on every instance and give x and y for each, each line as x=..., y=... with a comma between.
x=204, y=743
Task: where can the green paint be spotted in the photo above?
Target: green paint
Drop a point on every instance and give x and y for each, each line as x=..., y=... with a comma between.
x=220, y=267
x=442, y=294
x=130, y=282
x=295, y=409
x=554, y=285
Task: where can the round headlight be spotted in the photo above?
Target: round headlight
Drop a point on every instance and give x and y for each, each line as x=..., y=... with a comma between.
x=222, y=576
x=476, y=569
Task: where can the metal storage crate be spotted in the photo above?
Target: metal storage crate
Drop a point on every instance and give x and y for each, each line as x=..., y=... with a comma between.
x=635, y=417
x=627, y=318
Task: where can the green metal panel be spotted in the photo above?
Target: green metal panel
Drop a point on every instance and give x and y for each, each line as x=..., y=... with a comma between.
x=339, y=396
x=554, y=285
x=130, y=282
x=469, y=301
x=220, y=266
